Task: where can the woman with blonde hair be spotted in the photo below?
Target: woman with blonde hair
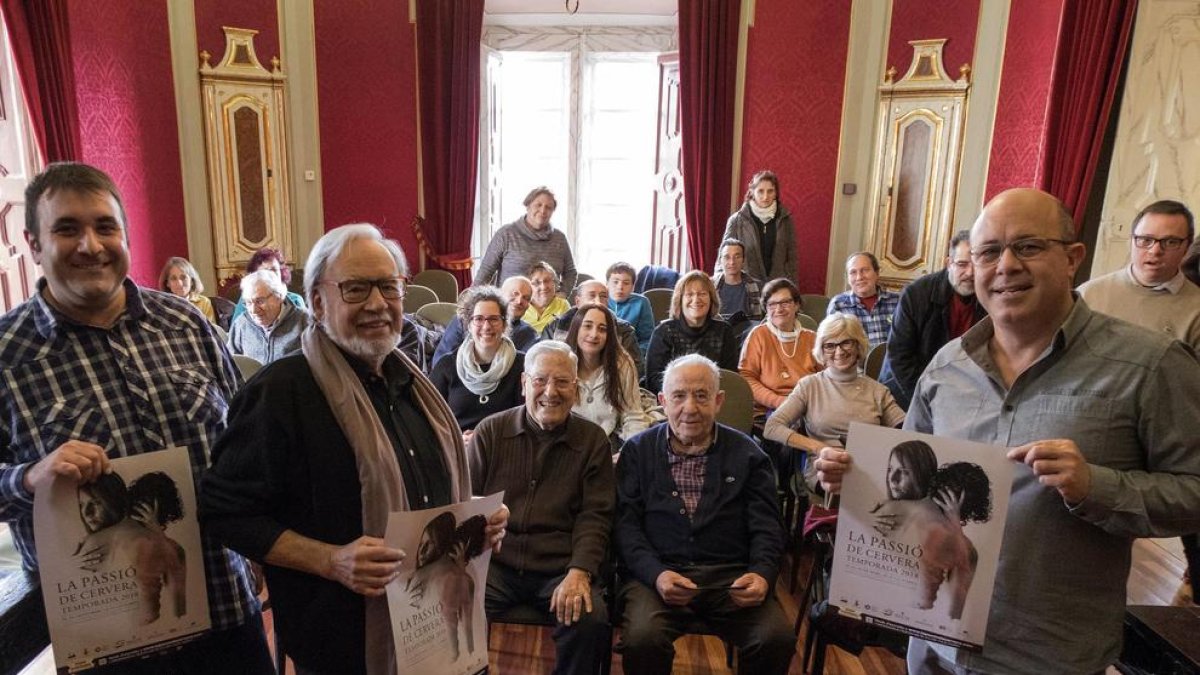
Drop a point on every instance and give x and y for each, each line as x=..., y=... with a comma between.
x=827, y=402
x=179, y=277
x=694, y=327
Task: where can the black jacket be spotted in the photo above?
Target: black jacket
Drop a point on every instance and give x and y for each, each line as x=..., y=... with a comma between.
x=920, y=327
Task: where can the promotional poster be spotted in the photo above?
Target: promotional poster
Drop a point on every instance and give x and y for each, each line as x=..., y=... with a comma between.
x=120, y=561
x=436, y=604
x=919, y=533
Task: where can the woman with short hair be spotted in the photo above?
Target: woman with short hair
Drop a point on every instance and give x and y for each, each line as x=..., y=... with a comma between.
x=608, y=388
x=545, y=305
x=484, y=377
x=779, y=351
x=694, y=327
x=272, y=260
x=528, y=239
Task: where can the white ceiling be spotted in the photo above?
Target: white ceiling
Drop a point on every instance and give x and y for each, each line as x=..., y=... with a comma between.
x=648, y=7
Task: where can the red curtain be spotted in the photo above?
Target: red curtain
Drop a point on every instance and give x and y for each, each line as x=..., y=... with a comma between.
x=448, y=35
x=41, y=43
x=1093, y=44
x=708, y=42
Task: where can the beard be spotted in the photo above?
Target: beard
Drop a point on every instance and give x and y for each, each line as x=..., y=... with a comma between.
x=369, y=350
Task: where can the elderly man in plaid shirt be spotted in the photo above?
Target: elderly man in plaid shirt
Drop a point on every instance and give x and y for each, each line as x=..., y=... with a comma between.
x=95, y=368
x=698, y=532
x=872, y=305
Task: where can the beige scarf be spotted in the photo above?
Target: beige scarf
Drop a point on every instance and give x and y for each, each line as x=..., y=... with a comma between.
x=378, y=468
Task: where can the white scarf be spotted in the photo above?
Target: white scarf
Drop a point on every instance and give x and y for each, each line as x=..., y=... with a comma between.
x=782, y=335
x=763, y=214
x=477, y=380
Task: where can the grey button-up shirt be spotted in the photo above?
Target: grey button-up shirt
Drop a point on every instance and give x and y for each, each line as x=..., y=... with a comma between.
x=1130, y=399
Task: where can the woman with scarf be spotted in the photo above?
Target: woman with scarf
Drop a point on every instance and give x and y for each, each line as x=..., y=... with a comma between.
x=484, y=377
x=766, y=229
x=778, y=352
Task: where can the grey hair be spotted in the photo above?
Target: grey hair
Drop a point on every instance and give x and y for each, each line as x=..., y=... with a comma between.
x=540, y=349
x=837, y=324
x=693, y=360
x=331, y=245
x=265, y=277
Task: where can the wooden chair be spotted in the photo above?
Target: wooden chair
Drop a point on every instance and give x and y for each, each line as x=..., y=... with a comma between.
x=875, y=360
x=660, y=303
x=443, y=284
x=440, y=313
x=417, y=296
x=814, y=305
x=738, y=409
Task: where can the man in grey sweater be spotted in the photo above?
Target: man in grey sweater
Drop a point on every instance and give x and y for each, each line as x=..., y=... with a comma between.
x=271, y=327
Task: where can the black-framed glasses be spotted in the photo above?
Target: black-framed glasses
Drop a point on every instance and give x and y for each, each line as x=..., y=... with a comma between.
x=1025, y=249
x=479, y=320
x=847, y=345
x=781, y=304
x=355, y=291
x=1167, y=243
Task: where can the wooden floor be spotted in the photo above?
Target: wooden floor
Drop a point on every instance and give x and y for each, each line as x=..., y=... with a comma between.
x=1155, y=579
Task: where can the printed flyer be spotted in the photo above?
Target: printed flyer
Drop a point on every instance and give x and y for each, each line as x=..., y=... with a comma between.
x=919, y=533
x=436, y=604
x=120, y=561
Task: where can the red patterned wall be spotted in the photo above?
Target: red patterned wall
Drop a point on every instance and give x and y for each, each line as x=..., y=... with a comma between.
x=795, y=73
x=925, y=20
x=126, y=99
x=259, y=15
x=1019, y=132
x=366, y=88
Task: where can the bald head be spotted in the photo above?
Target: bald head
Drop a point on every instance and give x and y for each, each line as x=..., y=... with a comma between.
x=592, y=291
x=1035, y=205
x=517, y=291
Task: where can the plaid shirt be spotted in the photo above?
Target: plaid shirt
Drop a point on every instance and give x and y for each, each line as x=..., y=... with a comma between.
x=688, y=472
x=158, y=378
x=877, y=322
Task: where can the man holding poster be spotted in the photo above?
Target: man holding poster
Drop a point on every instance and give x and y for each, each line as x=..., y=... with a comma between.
x=322, y=445
x=96, y=368
x=1100, y=416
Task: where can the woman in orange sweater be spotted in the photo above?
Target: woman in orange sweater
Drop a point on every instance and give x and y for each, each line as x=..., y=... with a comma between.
x=778, y=351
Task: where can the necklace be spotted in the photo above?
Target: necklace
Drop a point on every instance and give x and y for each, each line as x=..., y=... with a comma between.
x=787, y=357
x=483, y=399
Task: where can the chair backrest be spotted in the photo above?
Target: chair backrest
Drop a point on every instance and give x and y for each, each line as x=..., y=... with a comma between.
x=223, y=309
x=806, y=321
x=247, y=365
x=814, y=305
x=441, y=282
x=417, y=296
x=440, y=313
x=660, y=302
x=875, y=360
x=581, y=277
x=738, y=409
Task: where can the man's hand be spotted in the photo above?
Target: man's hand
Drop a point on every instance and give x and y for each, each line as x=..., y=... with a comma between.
x=497, y=527
x=365, y=565
x=749, y=590
x=675, y=589
x=572, y=597
x=831, y=464
x=79, y=461
x=1058, y=464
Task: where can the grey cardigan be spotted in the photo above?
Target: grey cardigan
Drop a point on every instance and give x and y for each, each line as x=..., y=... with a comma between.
x=515, y=248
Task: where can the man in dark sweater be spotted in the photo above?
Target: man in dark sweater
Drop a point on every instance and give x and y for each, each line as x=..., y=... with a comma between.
x=933, y=310
x=698, y=532
x=556, y=472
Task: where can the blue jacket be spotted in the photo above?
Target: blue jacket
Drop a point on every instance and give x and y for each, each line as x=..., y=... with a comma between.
x=736, y=522
x=636, y=311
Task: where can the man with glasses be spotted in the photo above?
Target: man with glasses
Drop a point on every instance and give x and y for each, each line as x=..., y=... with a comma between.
x=555, y=469
x=271, y=327
x=933, y=310
x=322, y=445
x=1152, y=292
x=1100, y=416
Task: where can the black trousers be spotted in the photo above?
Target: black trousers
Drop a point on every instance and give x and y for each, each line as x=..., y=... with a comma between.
x=763, y=635
x=580, y=647
x=242, y=649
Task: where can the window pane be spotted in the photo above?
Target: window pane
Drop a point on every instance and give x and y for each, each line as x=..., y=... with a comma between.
x=534, y=129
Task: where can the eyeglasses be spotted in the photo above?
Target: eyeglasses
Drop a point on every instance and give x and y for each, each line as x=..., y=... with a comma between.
x=259, y=302
x=560, y=383
x=781, y=304
x=1167, y=243
x=479, y=320
x=847, y=345
x=355, y=291
x=1025, y=249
